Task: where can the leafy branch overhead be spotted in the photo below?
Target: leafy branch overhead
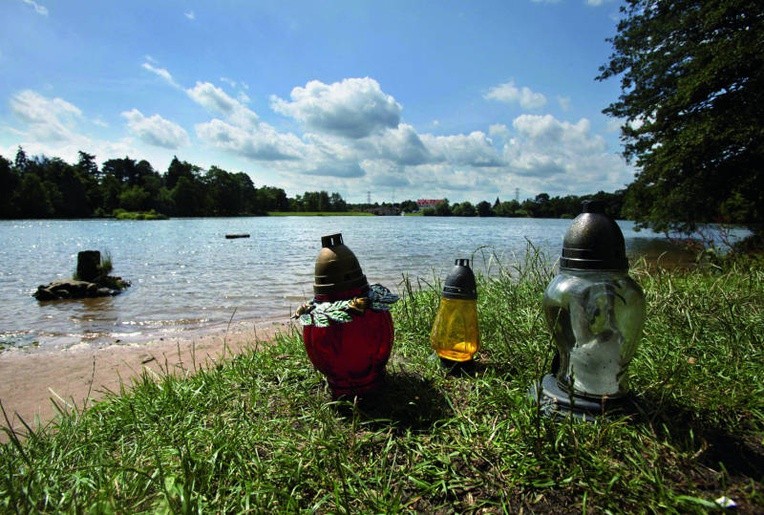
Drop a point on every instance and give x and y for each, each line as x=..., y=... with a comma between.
x=692, y=106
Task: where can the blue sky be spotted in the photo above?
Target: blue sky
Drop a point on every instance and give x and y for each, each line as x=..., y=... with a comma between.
x=467, y=100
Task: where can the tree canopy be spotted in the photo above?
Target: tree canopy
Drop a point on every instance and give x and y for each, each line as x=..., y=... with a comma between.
x=44, y=187
x=692, y=106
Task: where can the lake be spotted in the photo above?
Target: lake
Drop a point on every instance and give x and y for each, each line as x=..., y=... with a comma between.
x=188, y=278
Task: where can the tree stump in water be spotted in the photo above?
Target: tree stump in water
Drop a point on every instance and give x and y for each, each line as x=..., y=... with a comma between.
x=88, y=265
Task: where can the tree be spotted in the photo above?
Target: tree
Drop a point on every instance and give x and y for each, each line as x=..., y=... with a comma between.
x=272, y=199
x=409, y=206
x=32, y=198
x=443, y=208
x=178, y=169
x=90, y=176
x=224, y=193
x=134, y=198
x=123, y=169
x=484, y=208
x=463, y=209
x=8, y=184
x=187, y=197
x=692, y=105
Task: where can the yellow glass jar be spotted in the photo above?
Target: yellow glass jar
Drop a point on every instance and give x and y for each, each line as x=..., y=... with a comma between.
x=455, y=335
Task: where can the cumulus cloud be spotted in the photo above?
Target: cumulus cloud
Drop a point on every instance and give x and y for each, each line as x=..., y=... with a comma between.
x=156, y=130
x=56, y=127
x=217, y=101
x=262, y=143
x=354, y=108
x=498, y=130
x=559, y=156
x=47, y=119
x=511, y=94
x=401, y=145
x=474, y=149
x=350, y=170
x=38, y=8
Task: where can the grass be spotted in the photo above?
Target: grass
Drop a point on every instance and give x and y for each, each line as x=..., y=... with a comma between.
x=121, y=214
x=260, y=433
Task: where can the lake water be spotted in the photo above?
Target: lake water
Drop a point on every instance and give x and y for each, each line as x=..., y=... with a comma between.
x=187, y=277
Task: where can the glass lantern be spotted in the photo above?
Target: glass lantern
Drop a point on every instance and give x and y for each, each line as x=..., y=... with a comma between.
x=455, y=337
x=347, y=328
x=595, y=312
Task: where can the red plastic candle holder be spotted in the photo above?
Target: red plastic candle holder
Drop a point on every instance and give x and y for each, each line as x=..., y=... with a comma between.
x=347, y=328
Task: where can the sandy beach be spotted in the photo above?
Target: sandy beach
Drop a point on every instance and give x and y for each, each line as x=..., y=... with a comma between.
x=34, y=385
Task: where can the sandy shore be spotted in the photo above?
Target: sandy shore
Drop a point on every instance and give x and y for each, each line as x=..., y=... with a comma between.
x=31, y=382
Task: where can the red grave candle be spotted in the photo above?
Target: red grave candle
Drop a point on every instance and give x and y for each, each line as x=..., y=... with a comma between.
x=347, y=328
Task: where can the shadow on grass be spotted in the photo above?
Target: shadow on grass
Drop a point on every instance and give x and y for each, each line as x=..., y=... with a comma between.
x=738, y=453
x=406, y=401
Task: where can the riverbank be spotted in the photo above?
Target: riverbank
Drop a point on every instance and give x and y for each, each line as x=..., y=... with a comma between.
x=260, y=433
x=36, y=386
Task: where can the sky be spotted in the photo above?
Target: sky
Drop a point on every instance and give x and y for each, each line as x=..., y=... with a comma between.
x=385, y=100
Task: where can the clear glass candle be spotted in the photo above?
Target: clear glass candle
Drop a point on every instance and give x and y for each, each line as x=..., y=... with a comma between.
x=596, y=318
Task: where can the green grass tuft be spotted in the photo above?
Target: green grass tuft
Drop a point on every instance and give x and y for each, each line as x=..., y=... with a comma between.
x=260, y=433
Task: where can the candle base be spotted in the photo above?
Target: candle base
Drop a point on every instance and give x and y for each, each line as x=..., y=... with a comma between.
x=348, y=389
x=554, y=401
x=458, y=368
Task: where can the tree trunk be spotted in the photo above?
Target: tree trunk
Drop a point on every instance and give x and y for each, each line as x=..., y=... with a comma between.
x=88, y=265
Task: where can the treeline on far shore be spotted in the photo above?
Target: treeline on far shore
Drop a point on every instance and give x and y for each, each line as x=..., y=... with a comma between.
x=45, y=187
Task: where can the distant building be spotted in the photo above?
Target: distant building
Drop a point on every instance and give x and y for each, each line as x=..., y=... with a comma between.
x=424, y=203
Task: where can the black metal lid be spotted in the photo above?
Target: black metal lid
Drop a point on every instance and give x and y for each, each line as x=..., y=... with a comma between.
x=594, y=241
x=337, y=269
x=460, y=283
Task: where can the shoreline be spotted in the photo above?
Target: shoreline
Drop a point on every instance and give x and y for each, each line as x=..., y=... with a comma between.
x=35, y=386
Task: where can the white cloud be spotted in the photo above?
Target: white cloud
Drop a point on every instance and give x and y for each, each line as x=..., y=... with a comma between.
x=401, y=145
x=217, y=101
x=262, y=143
x=564, y=103
x=47, y=119
x=474, y=149
x=156, y=130
x=511, y=94
x=234, y=84
x=55, y=127
x=559, y=157
x=190, y=15
x=347, y=170
x=38, y=8
x=354, y=108
x=160, y=72
x=498, y=130
x=242, y=88
x=373, y=150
